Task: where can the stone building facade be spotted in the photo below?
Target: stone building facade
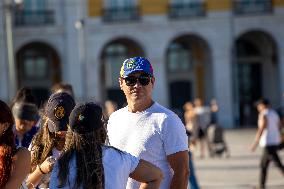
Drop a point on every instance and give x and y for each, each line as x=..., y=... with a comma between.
x=228, y=50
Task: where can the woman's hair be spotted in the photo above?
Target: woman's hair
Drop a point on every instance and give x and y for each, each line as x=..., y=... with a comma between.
x=45, y=139
x=87, y=148
x=42, y=143
x=7, y=144
x=24, y=94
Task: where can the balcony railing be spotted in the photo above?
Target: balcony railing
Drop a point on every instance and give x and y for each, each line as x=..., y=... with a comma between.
x=116, y=14
x=252, y=6
x=185, y=10
x=34, y=17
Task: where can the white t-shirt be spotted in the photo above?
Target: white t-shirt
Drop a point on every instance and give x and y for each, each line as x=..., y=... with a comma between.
x=271, y=134
x=117, y=167
x=151, y=135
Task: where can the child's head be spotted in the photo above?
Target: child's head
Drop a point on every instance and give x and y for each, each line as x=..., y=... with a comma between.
x=88, y=118
x=26, y=116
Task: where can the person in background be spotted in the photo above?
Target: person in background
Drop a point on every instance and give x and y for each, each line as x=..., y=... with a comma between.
x=148, y=130
x=48, y=143
x=214, y=112
x=203, y=117
x=110, y=107
x=191, y=131
x=24, y=94
x=190, y=124
x=216, y=133
x=86, y=162
x=267, y=137
x=26, y=116
x=14, y=162
x=63, y=87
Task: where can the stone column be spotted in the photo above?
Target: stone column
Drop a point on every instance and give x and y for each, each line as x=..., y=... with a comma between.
x=160, y=93
x=3, y=59
x=155, y=52
x=223, y=84
x=73, y=69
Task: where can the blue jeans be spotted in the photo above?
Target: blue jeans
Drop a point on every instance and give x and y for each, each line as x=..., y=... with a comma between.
x=193, y=184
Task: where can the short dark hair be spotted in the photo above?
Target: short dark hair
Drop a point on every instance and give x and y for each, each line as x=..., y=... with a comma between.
x=25, y=94
x=64, y=87
x=263, y=101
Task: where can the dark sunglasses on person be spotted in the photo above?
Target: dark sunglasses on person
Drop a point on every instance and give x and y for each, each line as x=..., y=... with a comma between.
x=132, y=80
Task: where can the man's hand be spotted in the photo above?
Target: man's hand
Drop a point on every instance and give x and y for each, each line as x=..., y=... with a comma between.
x=253, y=146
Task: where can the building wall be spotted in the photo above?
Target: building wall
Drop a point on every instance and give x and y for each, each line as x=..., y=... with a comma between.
x=219, y=29
x=3, y=63
x=80, y=51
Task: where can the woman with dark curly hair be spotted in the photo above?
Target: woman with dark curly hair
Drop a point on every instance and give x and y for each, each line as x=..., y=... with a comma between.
x=48, y=143
x=87, y=163
x=14, y=163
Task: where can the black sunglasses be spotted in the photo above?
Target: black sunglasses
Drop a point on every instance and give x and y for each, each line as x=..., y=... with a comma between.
x=132, y=80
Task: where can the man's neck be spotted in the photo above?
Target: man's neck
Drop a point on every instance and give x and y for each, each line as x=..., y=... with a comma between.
x=135, y=107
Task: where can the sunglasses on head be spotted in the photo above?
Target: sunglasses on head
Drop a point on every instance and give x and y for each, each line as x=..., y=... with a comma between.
x=132, y=80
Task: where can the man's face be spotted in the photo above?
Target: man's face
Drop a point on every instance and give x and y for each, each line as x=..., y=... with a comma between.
x=23, y=126
x=137, y=87
x=260, y=107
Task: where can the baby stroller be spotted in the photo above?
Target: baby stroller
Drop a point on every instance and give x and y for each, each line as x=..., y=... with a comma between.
x=217, y=144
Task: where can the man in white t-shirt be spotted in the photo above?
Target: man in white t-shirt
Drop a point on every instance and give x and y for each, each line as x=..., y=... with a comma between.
x=267, y=137
x=148, y=130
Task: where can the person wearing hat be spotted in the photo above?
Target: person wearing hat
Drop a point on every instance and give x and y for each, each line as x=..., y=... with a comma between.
x=148, y=130
x=26, y=116
x=48, y=143
x=14, y=162
x=88, y=163
x=63, y=87
x=267, y=137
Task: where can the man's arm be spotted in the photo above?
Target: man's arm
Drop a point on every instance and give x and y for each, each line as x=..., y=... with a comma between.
x=179, y=162
x=262, y=126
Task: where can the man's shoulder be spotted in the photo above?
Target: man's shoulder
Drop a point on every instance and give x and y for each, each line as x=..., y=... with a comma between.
x=119, y=112
x=157, y=108
x=164, y=115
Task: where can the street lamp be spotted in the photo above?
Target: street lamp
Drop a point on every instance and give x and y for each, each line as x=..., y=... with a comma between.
x=9, y=7
x=79, y=25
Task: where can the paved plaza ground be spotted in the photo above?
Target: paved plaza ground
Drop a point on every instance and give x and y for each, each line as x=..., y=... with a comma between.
x=241, y=170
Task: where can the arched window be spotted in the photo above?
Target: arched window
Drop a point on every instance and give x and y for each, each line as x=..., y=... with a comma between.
x=180, y=58
x=115, y=54
x=35, y=65
x=38, y=67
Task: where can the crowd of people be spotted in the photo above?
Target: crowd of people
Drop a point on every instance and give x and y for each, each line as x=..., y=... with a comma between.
x=64, y=144
x=203, y=129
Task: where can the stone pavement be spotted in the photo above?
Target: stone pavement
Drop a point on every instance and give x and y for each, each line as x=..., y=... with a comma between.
x=241, y=170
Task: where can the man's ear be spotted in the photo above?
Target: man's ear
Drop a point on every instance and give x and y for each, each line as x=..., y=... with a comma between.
x=120, y=82
x=153, y=80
